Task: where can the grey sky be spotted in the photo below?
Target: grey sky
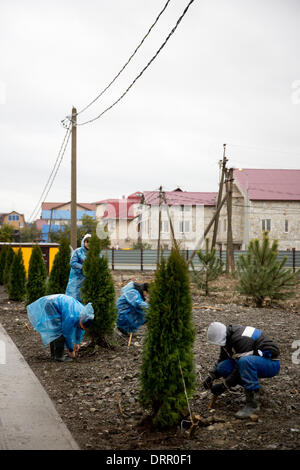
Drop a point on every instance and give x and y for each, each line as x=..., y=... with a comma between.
x=228, y=75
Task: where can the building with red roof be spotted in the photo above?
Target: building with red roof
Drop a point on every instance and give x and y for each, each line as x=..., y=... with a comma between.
x=264, y=200
x=190, y=213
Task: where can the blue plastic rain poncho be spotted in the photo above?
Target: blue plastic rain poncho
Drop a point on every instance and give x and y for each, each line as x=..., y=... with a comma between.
x=77, y=277
x=59, y=314
x=131, y=309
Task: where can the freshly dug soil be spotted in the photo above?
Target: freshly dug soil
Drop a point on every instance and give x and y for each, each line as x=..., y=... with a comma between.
x=97, y=393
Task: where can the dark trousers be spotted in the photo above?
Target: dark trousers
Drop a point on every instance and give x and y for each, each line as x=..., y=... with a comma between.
x=251, y=368
x=57, y=348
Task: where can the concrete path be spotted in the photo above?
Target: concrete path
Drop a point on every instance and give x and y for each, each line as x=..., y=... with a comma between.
x=28, y=418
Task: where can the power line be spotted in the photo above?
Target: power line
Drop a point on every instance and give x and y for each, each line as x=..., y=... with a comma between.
x=143, y=70
x=128, y=61
x=53, y=173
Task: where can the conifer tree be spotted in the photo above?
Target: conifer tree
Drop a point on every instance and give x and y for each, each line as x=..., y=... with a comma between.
x=37, y=274
x=60, y=271
x=17, y=278
x=2, y=263
x=262, y=275
x=167, y=360
x=98, y=288
x=210, y=268
x=8, y=262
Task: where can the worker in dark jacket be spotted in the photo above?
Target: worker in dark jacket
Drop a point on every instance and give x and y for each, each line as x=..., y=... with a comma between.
x=246, y=355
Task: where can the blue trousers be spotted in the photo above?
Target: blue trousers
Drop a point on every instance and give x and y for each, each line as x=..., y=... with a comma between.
x=251, y=368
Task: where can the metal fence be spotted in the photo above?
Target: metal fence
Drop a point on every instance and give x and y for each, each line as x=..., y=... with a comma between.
x=143, y=260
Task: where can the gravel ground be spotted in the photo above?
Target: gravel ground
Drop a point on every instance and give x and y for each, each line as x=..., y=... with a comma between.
x=97, y=394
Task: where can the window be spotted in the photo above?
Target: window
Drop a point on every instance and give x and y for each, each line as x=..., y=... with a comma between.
x=13, y=217
x=164, y=226
x=266, y=225
x=286, y=225
x=225, y=225
x=184, y=226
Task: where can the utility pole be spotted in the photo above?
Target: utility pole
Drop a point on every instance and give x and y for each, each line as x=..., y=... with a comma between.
x=247, y=216
x=74, y=181
x=159, y=227
x=229, y=249
x=170, y=221
x=215, y=234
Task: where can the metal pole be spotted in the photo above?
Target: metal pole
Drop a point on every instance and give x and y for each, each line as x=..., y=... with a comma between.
x=74, y=181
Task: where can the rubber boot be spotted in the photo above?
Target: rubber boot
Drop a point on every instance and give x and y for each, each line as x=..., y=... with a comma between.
x=59, y=344
x=252, y=404
x=52, y=350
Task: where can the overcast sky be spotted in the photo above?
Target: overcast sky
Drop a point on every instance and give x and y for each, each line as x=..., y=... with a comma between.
x=229, y=74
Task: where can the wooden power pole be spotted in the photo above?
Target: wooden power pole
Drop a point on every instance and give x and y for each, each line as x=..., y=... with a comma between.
x=159, y=228
x=215, y=234
x=229, y=249
x=74, y=181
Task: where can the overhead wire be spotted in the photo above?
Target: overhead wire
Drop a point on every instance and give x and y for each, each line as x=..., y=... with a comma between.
x=140, y=74
x=53, y=173
x=126, y=63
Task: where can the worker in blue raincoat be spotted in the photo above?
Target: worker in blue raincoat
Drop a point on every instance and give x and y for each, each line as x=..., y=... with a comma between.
x=60, y=319
x=131, y=307
x=77, y=277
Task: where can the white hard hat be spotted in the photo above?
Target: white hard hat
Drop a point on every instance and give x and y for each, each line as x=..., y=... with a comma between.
x=216, y=333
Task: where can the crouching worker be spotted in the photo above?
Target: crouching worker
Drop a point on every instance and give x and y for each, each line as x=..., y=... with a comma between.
x=246, y=355
x=60, y=319
x=131, y=307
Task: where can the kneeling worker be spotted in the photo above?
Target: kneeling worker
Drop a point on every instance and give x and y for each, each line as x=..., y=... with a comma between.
x=60, y=319
x=131, y=307
x=246, y=355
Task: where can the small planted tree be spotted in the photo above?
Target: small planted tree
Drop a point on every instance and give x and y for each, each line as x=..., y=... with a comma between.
x=10, y=254
x=60, y=271
x=167, y=374
x=210, y=268
x=17, y=278
x=262, y=275
x=98, y=288
x=2, y=263
x=37, y=274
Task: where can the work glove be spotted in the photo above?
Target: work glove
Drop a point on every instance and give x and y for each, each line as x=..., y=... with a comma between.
x=266, y=354
x=207, y=382
x=218, y=389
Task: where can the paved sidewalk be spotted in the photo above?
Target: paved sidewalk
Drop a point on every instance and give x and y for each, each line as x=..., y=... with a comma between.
x=28, y=418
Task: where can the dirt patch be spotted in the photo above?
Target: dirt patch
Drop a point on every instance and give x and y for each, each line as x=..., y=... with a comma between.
x=97, y=395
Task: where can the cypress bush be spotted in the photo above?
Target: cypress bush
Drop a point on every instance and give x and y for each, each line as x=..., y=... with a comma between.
x=210, y=268
x=10, y=254
x=2, y=263
x=17, y=278
x=37, y=275
x=262, y=275
x=60, y=271
x=168, y=346
x=98, y=288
